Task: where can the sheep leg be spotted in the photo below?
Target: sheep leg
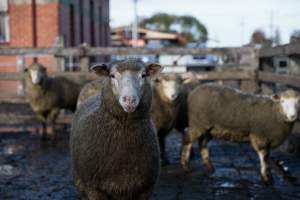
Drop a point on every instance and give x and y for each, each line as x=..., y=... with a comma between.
x=52, y=118
x=204, y=152
x=263, y=154
x=189, y=137
x=162, y=138
x=192, y=154
x=44, y=132
x=264, y=167
x=145, y=195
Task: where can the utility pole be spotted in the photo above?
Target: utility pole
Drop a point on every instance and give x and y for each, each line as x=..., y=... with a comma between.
x=242, y=27
x=271, y=26
x=135, y=26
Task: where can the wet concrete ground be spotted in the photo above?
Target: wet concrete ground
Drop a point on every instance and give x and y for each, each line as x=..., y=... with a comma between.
x=32, y=170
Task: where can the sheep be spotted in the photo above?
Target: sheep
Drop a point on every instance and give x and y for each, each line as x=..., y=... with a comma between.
x=113, y=143
x=225, y=113
x=169, y=104
x=90, y=89
x=166, y=102
x=169, y=107
x=48, y=95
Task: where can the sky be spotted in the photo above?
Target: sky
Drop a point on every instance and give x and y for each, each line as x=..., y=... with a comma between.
x=229, y=22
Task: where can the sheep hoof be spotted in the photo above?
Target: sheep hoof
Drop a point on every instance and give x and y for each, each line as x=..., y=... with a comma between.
x=210, y=170
x=267, y=180
x=186, y=168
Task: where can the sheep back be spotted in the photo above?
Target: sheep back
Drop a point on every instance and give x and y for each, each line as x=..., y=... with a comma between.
x=233, y=115
x=90, y=89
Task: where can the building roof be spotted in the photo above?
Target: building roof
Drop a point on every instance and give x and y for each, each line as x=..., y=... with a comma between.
x=149, y=34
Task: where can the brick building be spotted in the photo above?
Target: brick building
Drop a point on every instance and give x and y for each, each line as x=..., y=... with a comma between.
x=47, y=23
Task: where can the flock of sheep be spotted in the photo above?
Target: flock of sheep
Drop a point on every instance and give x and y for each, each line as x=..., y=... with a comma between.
x=118, y=132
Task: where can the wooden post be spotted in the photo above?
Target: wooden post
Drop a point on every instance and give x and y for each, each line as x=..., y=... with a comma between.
x=266, y=65
x=20, y=68
x=250, y=64
x=250, y=85
x=60, y=60
x=294, y=65
x=84, y=59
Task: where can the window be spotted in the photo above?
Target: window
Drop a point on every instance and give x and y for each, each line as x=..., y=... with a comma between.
x=282, y=64
x=4, y=26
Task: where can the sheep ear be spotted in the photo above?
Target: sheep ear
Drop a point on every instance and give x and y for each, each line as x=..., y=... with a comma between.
x=275, y=97
x=100, y=69
x=153, y=70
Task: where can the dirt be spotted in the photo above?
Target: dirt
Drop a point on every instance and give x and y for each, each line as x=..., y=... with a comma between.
x=30, y=169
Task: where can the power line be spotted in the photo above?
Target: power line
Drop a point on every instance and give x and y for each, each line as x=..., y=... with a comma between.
x=242, y=27
x=271, y=25
x=135, y=26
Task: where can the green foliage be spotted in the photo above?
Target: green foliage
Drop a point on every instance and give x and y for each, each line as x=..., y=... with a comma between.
x=194, y=30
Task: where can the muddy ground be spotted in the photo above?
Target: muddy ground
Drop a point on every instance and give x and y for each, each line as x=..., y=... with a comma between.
x=33, y=170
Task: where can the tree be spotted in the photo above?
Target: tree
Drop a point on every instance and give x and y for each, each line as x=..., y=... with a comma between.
x=159, y=21
x=295, y=37
x=188, y=25
x=258, y=37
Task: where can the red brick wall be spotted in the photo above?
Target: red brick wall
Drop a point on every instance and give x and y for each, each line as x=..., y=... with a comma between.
x=47, y=24
x=20, y=26
x=53, y=20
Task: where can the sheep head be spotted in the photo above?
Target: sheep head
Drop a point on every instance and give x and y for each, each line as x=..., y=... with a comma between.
x=127, y=80
x=37, y=73
x=170, y=85
x=289, y=102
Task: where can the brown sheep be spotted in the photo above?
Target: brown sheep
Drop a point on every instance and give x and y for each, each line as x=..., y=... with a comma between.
x=167, y=99
x=48, y=95
x=225, y=113
x=114, y=147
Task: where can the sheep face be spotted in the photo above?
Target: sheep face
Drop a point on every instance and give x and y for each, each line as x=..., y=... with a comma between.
x=289, y=104
x=170, y=85
x=127, y=80
x=37, y=73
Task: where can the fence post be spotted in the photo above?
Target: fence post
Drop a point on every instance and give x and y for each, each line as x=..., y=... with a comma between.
x=20, y=68
x=251, y=60
x=266, y=65
x=60, y=60
x=84, y=59
x=294, y=65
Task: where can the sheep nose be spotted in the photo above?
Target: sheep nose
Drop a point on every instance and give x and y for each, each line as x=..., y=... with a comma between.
x=293, y=116
x=130, y=100
x=173, y=96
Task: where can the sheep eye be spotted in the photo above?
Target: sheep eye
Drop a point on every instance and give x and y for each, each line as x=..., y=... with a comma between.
x=143, y=75
x=112, y=76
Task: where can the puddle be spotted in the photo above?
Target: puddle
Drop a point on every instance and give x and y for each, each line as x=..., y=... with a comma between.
x=227, y=185
x=8, y=170
x=11, y=149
